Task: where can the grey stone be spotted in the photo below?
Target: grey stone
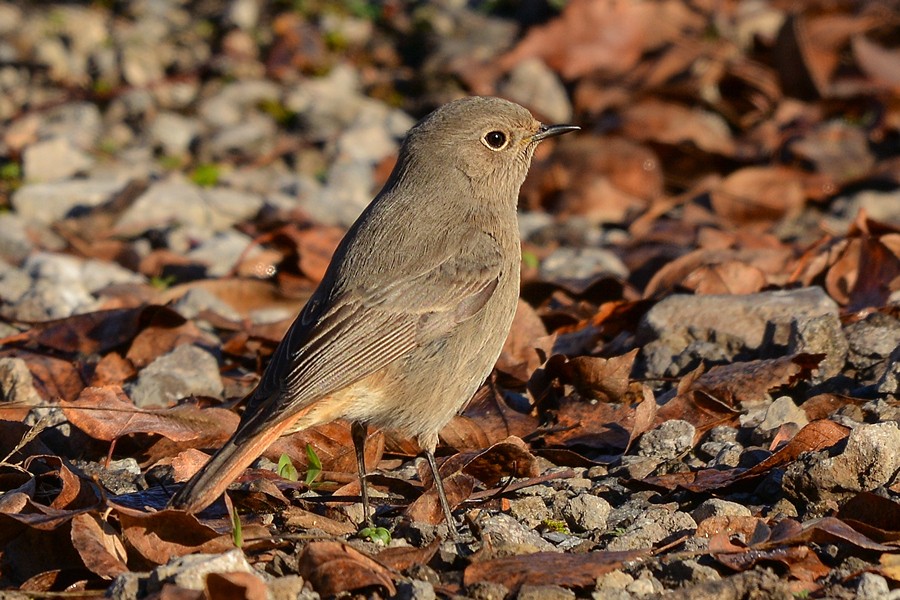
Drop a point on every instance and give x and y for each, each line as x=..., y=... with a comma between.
x=729, y=455
x=222, y=251
x=50, y=202
x=821, y=335
x=332, y=104
x=348, y=190
x=818, y=483
x=244, y=14
x=638, y=467
x=614, y=580
x=197, y=300
x=190, y=571
x=231, y=105
x=669, y=440
x=889, y=383
x=78, y=122
x=253, y=136
x=545, y=592
x=871, y=586
x=16, y=382
x=530, y=510
x=126, y=586
x=45, y=300
x=716, y=507
x=533, y=84
x=718, y=327
x=63, y=270
x=415, y=589
x=581, y=263
x=586, y=512
x=53, y=160
x=487, y=590
x=15, y=243
x=174, y=133
x=509, y=537
x=783, y=411
x=650, y=527
x=177, y=202
x=645, y=586
x=872, y=340
x=184, y=371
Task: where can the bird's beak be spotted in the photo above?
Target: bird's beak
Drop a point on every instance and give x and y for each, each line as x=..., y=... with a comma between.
x=552, y=130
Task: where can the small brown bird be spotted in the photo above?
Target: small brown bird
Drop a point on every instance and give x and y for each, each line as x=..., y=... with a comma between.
x=415, y=306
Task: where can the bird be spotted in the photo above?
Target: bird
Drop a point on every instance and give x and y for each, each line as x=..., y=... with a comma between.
x=415, y=305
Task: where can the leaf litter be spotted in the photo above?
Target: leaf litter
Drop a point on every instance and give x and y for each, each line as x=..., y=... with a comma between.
x=724, y=154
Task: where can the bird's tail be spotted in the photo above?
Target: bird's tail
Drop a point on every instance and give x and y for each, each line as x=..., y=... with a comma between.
x=236, y=455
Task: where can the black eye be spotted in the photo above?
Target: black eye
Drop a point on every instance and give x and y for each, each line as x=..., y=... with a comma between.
x=495, y=139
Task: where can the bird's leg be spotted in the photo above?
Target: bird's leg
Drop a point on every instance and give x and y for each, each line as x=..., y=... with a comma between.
x=439, y=485
x=359, y=431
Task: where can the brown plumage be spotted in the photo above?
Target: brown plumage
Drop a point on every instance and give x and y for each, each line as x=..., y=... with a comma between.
x=416, y=303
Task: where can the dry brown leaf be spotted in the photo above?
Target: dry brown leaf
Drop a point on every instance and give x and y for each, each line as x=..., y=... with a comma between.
x=566, y=570
x=54, y=378
x=107, y=414
x=427, y=507
x=877, y=62
x=333, y=445
x=602, y=35
x=668, y=123
x=153, y=539
x=236, y=586
x=99, y=546
x=872, y=515
x=743, y=382
x=758, y=194
x=334, y=567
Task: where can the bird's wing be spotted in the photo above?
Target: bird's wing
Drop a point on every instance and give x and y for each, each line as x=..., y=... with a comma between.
x=335, y=343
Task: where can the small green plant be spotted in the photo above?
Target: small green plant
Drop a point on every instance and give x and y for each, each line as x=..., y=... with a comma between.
x=375, y=534
x=314, y=466
x=171, y=163
x=206, y=175
x=277, y=111
x=237, y=534
x=530, y=259
x=162, y=282
x=554, y=525
x=11, y=172
x=286, y=468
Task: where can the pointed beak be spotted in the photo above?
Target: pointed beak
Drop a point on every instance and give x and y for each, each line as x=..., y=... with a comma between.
x=547, y=131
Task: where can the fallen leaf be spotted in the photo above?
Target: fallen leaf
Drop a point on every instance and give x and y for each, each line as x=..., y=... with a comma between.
x=99, y=546
x=107, y=414
x=427, y=507
x=334, y=568
x=566, y=570
x=236, y=586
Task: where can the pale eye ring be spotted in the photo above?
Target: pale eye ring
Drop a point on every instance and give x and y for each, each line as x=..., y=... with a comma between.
x=495, y=140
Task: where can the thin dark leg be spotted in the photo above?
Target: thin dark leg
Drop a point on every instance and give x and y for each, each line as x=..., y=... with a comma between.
x=440, y=490
x=359, y=431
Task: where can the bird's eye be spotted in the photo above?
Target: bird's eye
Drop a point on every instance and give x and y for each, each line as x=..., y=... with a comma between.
x=495, y=140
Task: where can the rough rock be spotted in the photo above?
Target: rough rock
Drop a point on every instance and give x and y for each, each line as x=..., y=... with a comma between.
x=681, y=330
x=668, y=440
x=49, y=202
x=17, y=383
x=184, y=371
x=190, y=571
x=716, y=507
x=54, y=159
x=586, y=512
x=869, y=460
